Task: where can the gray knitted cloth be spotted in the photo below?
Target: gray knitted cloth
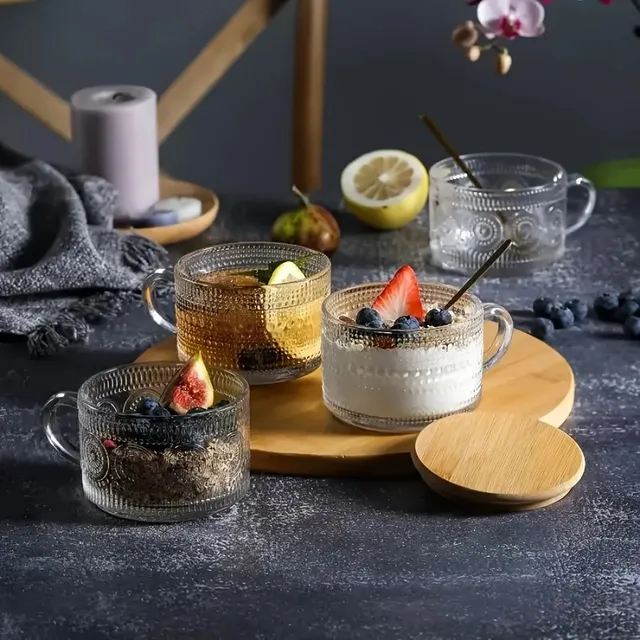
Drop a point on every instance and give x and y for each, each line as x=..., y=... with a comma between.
x=62, y=267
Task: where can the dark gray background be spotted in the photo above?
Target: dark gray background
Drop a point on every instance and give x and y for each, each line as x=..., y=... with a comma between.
x=573, y=95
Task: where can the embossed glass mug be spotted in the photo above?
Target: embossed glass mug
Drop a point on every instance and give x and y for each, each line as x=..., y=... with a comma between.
x=523, y=198
x=155, y=469
x=267, y=333
x=400, y=381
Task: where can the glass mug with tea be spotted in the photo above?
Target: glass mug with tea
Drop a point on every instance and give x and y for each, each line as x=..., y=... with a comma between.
x=247, y=309
x=142, y=462
x=399, y=380
x=523, y=198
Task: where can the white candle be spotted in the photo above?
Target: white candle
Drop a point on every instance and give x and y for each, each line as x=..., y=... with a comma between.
x=114, y=132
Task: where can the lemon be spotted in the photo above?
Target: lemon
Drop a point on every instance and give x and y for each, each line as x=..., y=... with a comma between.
x=286, y=272
x=385, y=189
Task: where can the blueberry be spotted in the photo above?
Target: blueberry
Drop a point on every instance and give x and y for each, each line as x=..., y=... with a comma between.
x=150, y=407
x=628, y=294
x=626, y=310
x=579, y=309
x=368, y=317
x=542, y=328
x=605, y=306
x=406, y=323
x=221, y=403
x=542, y=307
x=437, y=318
x=561, y=317
x=631, y=328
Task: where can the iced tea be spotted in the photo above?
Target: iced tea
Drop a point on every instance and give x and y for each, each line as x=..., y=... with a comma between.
x=226, y=310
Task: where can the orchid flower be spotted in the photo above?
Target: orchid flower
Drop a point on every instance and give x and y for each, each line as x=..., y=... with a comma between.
x=507, y=19
x=511, y=18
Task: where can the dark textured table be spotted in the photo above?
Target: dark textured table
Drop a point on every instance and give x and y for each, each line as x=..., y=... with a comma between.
x=339, y=558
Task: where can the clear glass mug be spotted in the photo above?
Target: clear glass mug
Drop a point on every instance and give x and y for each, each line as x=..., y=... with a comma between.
x=400, y=381
x=523, y=198
x=267, y=333
x=155, y=469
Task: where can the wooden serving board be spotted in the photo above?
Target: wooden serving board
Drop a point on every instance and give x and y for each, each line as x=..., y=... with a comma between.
x=293, y=433
x=174, y=233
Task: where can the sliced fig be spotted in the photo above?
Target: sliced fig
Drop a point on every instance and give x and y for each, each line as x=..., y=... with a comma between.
x=191, y=388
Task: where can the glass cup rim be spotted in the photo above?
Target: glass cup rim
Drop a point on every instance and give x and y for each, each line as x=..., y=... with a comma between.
x=86, y=403
x=559, y=171
x=180, y=270
x=475, y=301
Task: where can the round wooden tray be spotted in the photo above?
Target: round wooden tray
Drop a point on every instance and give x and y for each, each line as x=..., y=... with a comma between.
x=170, y=188
x=293, y=433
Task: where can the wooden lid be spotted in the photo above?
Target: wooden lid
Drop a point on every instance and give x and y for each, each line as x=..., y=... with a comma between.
x=498, y=459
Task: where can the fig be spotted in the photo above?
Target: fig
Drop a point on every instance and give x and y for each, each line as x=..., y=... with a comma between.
x=190, y=388
x=310, y=226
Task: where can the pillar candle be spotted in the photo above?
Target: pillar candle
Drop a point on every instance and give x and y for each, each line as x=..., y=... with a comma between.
x=114, y=135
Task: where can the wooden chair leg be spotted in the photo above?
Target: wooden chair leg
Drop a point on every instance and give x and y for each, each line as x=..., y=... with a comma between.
x=308, y=93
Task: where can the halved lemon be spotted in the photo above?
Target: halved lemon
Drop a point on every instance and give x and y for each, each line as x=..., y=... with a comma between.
x=385, y=189
x=286, y=272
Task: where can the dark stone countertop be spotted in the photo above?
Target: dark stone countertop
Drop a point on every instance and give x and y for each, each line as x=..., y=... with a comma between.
x=339, y=558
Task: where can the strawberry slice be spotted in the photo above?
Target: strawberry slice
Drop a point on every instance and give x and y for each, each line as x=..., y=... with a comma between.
x=401, y=297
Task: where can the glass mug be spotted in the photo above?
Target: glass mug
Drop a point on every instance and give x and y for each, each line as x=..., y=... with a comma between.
x=155, y=469
x=267, y=333
x=399, y=381
x=523, y=198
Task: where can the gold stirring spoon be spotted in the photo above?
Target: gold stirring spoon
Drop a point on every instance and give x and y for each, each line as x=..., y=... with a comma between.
x=484, y=267
x=448, y=147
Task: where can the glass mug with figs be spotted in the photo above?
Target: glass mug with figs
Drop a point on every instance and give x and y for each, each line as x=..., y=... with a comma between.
x=394, y=360
x=249, y=307
x=158, y=442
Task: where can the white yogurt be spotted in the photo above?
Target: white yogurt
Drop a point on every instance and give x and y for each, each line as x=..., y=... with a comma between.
x=401, y=383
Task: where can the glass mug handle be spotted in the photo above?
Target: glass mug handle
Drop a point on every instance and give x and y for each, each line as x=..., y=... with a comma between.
x=501, y=342
x=576, y=180
x=52, y=428
x=148, y=288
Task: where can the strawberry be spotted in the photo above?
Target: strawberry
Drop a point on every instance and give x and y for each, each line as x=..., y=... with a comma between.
x=401, y=297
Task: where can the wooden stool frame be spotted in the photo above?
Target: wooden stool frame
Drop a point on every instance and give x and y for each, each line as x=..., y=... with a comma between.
x=201, y=75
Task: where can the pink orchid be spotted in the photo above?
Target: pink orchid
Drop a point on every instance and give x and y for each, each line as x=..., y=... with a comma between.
x=511, y=18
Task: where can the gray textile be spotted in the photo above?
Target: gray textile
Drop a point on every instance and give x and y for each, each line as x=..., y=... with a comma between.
x=62, y=266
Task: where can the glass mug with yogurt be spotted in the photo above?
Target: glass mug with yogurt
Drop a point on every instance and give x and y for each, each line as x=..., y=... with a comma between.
x=399, y=381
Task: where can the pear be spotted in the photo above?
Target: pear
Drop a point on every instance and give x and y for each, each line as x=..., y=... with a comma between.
x=310, y=226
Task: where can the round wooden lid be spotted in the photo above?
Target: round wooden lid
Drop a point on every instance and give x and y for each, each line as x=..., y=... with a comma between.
x=498, y=459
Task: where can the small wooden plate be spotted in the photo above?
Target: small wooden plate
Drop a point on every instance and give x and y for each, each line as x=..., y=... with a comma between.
x=170, y=188
x=498, y=459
